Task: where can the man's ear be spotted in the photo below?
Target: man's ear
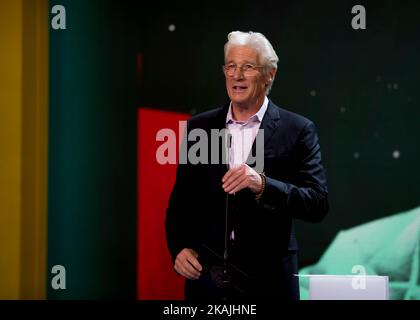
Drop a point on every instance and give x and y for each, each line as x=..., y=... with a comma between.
x=272, y=73
x=270, y=76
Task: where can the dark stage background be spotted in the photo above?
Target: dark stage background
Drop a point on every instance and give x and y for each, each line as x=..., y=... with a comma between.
x=358, y=86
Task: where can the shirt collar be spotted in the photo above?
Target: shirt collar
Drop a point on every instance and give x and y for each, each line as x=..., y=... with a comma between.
x=256, y=117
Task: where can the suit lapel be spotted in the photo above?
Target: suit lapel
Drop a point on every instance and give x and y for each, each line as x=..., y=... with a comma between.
x=268, y=126
x=220, y=124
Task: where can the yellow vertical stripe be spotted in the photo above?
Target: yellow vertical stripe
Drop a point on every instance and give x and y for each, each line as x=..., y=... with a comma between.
x=34, y=148
x=10, y=146
x=23, y=145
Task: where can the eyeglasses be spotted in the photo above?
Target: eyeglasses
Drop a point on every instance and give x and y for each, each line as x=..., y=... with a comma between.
x=247, y=69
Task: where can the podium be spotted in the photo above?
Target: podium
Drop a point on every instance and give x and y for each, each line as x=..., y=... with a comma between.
x=348, y=287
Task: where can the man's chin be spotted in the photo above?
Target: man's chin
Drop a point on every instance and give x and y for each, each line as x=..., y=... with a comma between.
x=239, y=100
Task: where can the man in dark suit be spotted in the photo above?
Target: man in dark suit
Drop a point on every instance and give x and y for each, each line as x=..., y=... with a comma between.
x=229, y=228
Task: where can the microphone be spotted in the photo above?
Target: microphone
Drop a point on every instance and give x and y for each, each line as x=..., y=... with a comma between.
x=226, y=275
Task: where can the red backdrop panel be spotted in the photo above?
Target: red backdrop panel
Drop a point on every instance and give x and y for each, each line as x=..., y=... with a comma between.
x=155, y=276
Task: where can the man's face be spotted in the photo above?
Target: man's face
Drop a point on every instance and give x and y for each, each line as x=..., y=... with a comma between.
x=245, y=88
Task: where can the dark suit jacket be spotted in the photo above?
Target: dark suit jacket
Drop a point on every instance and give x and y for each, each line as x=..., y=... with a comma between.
x=264, y=235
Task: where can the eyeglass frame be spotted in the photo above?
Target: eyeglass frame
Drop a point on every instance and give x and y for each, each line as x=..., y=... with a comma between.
x=224, y=67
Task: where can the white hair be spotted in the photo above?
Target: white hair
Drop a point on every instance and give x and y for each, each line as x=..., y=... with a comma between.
x=267, y=55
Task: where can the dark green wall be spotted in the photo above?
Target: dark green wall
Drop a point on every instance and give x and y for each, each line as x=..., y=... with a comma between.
x=92, y=155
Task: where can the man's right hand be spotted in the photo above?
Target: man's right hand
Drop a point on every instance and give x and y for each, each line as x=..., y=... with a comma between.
x=187, y=265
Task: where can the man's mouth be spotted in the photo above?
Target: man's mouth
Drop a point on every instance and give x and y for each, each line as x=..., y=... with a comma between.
x=239, y=88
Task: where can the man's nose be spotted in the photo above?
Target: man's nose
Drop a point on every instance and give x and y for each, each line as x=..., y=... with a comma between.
x=238, y=74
